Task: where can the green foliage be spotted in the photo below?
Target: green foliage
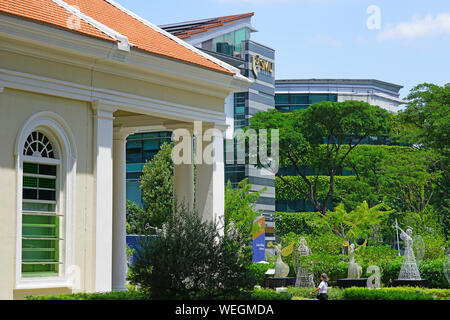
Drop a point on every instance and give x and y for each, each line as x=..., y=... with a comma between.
x=334, y=293
x=115, y=295
x=189, y=258
x=426, y=122
x=136, y=217
x=379, y=255
x=358, y=223
x=343, y=125
x=433, y=271
x=259, y=271
x=385, y=294
x=240, y=210
x=157, y=187
x=426, y=118
x=267, y=294
x=295, y=222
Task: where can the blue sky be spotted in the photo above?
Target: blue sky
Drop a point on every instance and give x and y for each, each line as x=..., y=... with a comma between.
x=331, y=39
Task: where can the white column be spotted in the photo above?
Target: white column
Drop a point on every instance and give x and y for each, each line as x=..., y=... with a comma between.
x=183, y=185
x=183, y=174
x=103, y=173
x=210, y=179
x=119, y=255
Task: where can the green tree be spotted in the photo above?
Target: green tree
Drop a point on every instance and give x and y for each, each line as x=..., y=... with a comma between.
x=157, y=187
x=136, y=217
x=425, y=122
x=358, y=223
x=321, y=137
x=240, y=211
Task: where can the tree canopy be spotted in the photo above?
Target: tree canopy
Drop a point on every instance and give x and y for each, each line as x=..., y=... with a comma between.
x=322, y=136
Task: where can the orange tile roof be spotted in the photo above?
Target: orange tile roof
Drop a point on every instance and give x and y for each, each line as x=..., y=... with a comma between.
x=139, y=34
x=48, y=12
x=189, y=28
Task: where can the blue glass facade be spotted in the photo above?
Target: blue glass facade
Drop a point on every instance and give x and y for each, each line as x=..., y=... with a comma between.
x=141, y=147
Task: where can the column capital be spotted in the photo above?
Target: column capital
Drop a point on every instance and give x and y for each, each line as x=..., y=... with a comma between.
x=121, y=133
x=103, y=109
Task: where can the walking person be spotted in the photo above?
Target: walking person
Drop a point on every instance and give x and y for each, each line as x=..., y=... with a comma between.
x=323, y=288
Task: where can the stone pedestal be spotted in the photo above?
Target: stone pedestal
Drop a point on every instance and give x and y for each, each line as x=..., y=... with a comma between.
x=279, y=282
x=411, y=283
x=352, y=282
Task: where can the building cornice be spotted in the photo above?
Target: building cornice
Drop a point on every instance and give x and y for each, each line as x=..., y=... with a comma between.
x=110, y=99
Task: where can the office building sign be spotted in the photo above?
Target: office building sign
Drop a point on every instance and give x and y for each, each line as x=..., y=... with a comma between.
x=260, y=64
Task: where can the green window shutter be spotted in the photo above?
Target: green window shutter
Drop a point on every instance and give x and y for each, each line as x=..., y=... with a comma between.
x=41, y=237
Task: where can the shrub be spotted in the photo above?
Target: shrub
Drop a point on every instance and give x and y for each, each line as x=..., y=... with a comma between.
x=115, y=295
x=386, y=294
x=267, y=294
x=334, y=293
x=259, y=271
x=433, y=271
x=189, y=258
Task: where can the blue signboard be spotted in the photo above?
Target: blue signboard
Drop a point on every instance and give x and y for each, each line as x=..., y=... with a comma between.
x=259, y=240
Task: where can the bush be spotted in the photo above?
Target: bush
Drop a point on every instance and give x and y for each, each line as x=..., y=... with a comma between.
x=190, y=259
x=334, y=293
x=115, y=295
x=433, y=271
x=259, y=271
x=267, y=294
x=398, y=293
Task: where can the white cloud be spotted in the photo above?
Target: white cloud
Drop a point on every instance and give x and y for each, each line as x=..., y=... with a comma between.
x=420, y=26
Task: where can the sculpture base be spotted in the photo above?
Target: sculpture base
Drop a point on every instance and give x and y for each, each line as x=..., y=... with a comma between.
x=410, y=283
x=352, y=282
x=279, y=282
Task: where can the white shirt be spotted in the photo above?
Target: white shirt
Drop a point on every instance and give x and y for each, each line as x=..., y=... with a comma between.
x=323, y=287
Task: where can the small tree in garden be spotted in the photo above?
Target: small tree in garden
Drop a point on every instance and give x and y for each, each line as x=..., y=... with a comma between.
x=240, y=210
x=355, y=224
x=157, y=187
x=189, y=259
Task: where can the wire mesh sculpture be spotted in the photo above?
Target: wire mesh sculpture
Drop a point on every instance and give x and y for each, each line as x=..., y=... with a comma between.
x=281, y=268
x=447, y=266
x=409, y=270
x=303, y=265
x=354, y=269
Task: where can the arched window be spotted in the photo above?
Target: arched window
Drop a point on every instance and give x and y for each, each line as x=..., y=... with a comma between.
x=46, y=159
x=42, y=217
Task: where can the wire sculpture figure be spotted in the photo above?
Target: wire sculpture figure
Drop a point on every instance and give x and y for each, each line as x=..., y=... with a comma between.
x=303, y=265
x=281, y=268
x=354, y=269
x=409, y=270
x=447, y=266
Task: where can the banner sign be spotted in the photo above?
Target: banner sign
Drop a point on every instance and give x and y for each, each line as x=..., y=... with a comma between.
x=259, y=240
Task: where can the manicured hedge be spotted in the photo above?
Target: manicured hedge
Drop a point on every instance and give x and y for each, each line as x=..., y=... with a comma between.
x=398, y=293
x=115, y=295
x=296, y=222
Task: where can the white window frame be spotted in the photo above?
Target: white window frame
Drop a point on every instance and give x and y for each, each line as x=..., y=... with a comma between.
x=62, y=139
